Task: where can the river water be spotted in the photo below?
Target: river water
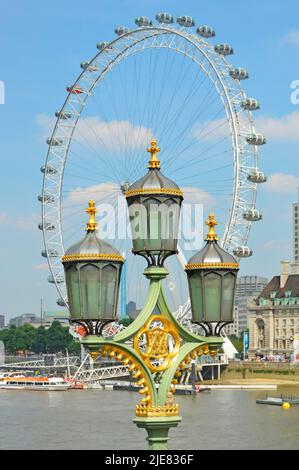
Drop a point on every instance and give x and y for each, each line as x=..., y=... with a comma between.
x=96, y=419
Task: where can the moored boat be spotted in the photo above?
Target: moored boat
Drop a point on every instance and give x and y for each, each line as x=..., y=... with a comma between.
x=278, y=401
x=35, y=383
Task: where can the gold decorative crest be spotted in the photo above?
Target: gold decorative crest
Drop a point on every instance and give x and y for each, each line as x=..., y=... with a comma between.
x=157, y=345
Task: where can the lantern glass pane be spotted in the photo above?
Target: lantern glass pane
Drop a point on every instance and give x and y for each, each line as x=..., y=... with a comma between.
x=138, y=224
x=212, y=296
x=228, y=297
x=154, y=225
x=72, y=282
x=89, y=290
x=195, y=289
x=108, y=300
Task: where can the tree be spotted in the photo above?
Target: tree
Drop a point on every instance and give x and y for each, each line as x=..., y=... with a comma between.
x=56, y=337
x=126, y=321
x=39, y=343
x=237, y=342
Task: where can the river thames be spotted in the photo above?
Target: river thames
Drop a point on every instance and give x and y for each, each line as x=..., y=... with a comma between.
x=95, y=419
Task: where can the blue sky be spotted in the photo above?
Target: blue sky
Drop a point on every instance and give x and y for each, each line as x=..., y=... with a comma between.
x=42, y=45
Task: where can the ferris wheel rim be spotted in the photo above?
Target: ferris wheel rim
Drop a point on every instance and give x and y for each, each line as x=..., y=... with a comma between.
x=158, y=31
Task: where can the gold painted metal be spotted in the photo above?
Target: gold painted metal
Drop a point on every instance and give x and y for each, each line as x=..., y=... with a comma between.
x=157, y=411
x=154, y=150
x=211, y=265
x=92, y=256
x=212, y=235
x=133, y=366
x=157, y=343
x=144, y=191
x=94, y=354
x=91, y=225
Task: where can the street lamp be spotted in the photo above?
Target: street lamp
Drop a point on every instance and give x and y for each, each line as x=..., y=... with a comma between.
x=154, y=204
x=155, y=348
x=212, y=275
x=92, y=271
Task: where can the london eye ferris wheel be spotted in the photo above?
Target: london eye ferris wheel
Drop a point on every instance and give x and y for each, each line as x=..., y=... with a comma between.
x=168, y=79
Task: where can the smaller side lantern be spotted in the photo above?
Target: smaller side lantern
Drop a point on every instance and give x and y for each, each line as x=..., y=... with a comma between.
x=92, y=272
x=212, y=275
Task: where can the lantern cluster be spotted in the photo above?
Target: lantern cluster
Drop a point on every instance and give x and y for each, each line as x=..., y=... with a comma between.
x=93, y=267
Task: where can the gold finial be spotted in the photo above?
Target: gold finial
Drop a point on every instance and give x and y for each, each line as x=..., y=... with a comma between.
x=153, y=149
x=211, y=223
x=91, y=225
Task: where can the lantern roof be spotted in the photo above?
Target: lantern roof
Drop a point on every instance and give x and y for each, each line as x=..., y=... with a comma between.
x=212, y=256
x=91, y=247
x=154, y=182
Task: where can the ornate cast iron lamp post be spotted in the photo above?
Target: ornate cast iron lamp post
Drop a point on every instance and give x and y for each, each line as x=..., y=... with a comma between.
x=155, y=347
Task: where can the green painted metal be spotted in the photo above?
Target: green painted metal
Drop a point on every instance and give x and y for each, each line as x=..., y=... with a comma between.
x=156, y=275
x=157, y=430
x=97, y=342
x=169, y=373
x=156, y=427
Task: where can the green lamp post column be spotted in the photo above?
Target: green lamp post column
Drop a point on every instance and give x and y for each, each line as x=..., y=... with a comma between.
x=156, y=348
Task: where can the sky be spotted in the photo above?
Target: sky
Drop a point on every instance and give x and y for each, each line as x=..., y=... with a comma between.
x=42, y=45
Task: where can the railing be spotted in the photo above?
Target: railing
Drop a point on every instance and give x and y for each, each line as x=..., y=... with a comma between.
x=102, y=373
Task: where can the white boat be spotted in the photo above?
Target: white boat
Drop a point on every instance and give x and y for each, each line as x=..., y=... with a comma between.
x=34, y=383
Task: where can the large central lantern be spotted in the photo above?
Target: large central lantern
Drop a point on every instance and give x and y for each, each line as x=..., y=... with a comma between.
x=154, y=204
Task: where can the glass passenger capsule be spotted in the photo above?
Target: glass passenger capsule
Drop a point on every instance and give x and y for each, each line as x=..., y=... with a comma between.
x=49, y=170
x=252, y=215
x=121, y=30
x=51, y=253
x=186, y=21
x=45, y=198
x=104, y=45
x=61, y=302
x=63, y=114
x=143, y=21
x=46, y=226
x=242, y=252
x=166, y=18
x=251, y=104
x=88, y=66
x=206, y=31
x=239, y=73
x=224, y=49
x=58, y=279
x=257, y=177
x=55, y=141
x=256, y=139
x=74, y=89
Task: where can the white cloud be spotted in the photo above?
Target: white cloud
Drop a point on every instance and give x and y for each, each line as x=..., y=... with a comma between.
x=292, y=37
x=283, y=128
x=99, y=192
x=197, y=196
x=110, y=136
x=282, y=183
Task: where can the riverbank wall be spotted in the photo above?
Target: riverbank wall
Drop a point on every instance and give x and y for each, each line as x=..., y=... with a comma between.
x=257, y=370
